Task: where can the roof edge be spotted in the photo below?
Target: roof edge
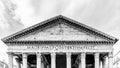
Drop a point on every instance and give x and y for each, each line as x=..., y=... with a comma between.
x=56, y=17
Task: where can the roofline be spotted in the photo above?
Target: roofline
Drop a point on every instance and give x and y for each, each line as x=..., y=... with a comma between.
x=30, y=27
x=56, y=17
x=98, y=31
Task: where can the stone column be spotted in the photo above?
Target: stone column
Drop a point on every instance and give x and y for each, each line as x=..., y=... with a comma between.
x=68, y=57
x=47, y=66
x=42, y=65
x=10, y=56
x=24, y=57
x=79, y=65
x=42, y=62
x=110, y=60
x=97, y=60
x=38, y=60
x=53, y=60
x=100, y=66
x=18, y=63
x=83, y=60
x=104, y=62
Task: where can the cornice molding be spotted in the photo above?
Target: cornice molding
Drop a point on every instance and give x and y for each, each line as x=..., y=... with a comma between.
x=59, y=19
x=60, y=42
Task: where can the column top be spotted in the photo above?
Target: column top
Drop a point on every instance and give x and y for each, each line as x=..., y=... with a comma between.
x=53, y=53
x=38, y=53
x=68, y=53
x=24, y=55
x=110, y=54
x=10, y=53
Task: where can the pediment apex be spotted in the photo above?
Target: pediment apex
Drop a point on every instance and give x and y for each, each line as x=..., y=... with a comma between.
x=53, y=20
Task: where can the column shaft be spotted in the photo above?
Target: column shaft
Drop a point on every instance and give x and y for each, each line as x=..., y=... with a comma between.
x=19, y=66
x=18, y=63
x=53, y=60
x=79, y=66
x=100, y=66
x=10, y=56
x=83, y=60
x=47, y=66
x=68, y=60
x=38, y=60
x=97, y=60
x=42, y=65
x=104, y=62
x=110, y=60
x=24, y=57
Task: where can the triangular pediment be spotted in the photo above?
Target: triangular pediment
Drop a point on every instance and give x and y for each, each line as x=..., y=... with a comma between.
x=59, y=28
x=60, y=31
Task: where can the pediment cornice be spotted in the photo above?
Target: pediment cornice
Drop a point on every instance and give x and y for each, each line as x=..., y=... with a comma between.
x=61, y=42
x=56, y=20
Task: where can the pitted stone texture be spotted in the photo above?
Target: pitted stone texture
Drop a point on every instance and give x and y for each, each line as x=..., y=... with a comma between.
x=60, y=32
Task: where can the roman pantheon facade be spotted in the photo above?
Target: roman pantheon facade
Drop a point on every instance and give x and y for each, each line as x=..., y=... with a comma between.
x=60, y=42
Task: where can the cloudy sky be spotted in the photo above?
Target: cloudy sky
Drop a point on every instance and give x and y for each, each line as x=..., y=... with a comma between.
x=15, y=15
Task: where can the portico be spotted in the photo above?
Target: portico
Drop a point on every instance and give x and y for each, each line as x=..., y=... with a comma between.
x=82, y=57
x=60, y=42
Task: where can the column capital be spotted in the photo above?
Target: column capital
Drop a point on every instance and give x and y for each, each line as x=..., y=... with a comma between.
x=10, y=53
x=24, y=55
x=110, y=54
x=83, y=54
x=68, y=53
x=97, y=54
x=53, y=53
x=38, y=54
x=17, y=59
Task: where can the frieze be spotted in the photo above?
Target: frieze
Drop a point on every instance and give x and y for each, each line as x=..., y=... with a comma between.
x=61, y=48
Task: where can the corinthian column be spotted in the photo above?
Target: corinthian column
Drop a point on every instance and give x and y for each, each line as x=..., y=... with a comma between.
x=68, y=60
x=18, y=62
x=79, y=65
x=97, y=60
x=24, y=57
x=83, y=60
x=53, y=60
x=110, y=60
x=104, y=62
x=10, y=56
x=38, y=60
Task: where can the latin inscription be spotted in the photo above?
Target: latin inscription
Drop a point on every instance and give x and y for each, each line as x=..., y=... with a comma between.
x=61, y=47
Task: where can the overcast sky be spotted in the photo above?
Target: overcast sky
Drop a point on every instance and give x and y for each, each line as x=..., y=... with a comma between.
x=15, y=15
